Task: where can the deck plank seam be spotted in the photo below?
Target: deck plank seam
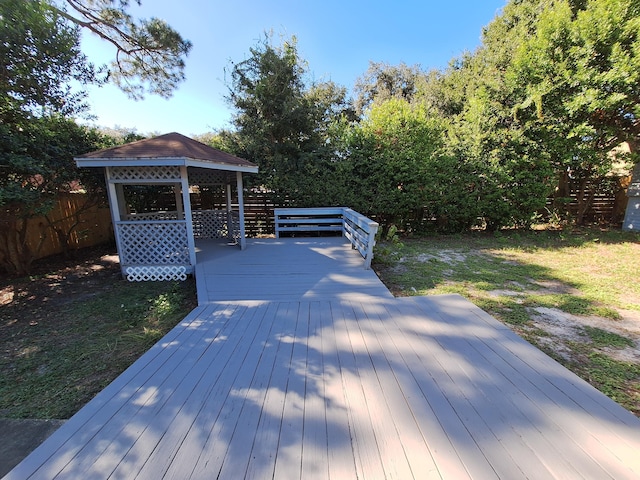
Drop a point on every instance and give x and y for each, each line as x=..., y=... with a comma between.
x=574, y=433
x=160, y=460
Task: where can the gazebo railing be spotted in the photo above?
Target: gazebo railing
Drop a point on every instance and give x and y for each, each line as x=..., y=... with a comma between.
x=234, y=223
x=215, y=224
x=161, y=215
x=206, y=223
x=155, y=246
x=154, y=249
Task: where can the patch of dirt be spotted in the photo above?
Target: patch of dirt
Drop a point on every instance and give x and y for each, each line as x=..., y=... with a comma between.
x=555, y=286
x=561, y=328
x=506, y=293
x=564, y=327
x=450, y=257
x=54, y=282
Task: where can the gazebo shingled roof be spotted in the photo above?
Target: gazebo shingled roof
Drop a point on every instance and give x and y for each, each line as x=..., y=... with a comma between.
x=169, y=149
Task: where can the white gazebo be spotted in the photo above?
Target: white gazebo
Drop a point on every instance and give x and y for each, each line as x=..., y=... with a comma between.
x=160, y=244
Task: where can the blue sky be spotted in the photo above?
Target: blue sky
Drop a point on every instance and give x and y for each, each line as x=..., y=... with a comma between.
x=337, y=38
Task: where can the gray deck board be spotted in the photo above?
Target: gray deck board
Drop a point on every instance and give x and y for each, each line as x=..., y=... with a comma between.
x=332, y=386
x=285, y=269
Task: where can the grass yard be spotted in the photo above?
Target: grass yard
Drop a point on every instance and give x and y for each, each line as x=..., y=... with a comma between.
x=575, y=295
x=71, y=328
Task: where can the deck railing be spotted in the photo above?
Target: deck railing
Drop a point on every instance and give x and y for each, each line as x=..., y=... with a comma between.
x=358, y=229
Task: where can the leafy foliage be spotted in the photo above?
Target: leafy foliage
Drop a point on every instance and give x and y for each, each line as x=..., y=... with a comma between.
x=578, y=87
x=582, y=67
x=40, y=56
x=149, y=53
x=383, y=82
x=37, y=158
x=281, y=123
x=397, y=168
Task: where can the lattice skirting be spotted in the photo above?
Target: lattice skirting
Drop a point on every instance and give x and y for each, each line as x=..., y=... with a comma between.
x=154, y=274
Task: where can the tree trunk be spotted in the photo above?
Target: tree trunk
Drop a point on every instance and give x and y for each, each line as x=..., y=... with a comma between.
x=561, y=194
x=15, y=255
x=620, y=201
x=584, y=197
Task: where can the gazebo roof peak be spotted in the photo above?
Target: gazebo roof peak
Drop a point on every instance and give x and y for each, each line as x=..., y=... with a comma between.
x=168, y=149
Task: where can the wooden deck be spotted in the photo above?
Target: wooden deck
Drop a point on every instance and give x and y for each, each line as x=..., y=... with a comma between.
x=325, y=268
x=369, y=388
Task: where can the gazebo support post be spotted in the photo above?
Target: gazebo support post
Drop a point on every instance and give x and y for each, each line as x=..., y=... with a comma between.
x=229, y=210
x=243, y=240
x=186, y=203
x=121, y=202
x=115, y=193
x=177, y=190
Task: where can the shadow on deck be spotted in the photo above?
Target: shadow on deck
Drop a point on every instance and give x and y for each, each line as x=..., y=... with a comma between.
x=307, y=269
x=305, y=381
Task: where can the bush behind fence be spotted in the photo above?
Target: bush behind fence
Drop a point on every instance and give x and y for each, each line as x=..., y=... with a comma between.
x=606, y=206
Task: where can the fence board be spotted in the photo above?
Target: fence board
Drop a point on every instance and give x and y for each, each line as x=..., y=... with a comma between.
x=94, y=229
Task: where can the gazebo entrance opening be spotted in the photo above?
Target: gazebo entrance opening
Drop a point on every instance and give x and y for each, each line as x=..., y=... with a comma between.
x=210, y=218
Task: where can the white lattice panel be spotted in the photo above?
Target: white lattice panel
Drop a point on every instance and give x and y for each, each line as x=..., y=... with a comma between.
x=204, y=176
x=145, y=173
x=154, y=243
x=156, y=274
x=153, y=216
x=210, y=224
x=234, y=221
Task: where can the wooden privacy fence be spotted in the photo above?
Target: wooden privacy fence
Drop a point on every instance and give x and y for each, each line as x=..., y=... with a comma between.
x=258, y=210
x=84, y=226
x=358, y=229
x=607, y=205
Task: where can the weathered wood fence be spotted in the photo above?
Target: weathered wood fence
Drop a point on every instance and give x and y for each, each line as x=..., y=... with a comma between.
x=607, y=206
x=85, y=226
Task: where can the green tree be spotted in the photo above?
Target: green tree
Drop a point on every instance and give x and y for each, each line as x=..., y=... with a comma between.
x=582, y=66
x=581, y=78
x=37, y=165
x=382, y=82
x=281, y=123
x=271, y=117
x=513, y=157
x=396, y=167
x=40, y=56
x=150, y=55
